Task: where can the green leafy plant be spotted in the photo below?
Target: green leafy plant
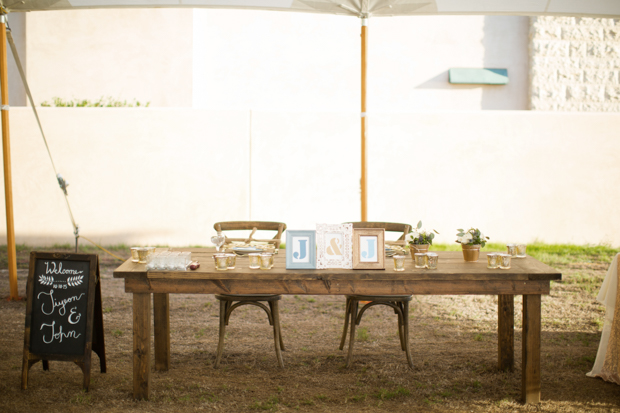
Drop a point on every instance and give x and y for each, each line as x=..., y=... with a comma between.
x=471, y=236
x=421, y=236
x=103, y=102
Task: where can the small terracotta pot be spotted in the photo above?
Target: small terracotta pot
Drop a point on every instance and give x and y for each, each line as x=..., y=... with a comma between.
x=418, y=248
x=471, y=252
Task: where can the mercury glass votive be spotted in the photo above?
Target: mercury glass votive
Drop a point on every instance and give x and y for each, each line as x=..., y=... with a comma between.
x=521, y=250
x=232, y=260
x=432, y=260
x=266, y=261
x=142, y=253
x=511, y=249
x=221, y=262
x=492, y=260
x=504, y=261
x=134, y=254
x=399, y=262
x=254, y=261
x=419, y=260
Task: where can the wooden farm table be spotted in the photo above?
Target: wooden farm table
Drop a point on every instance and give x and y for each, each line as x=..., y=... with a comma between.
x=528, y=277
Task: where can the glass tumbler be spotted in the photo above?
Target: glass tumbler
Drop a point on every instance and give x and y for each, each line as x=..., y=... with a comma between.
x=187, y=258
x=142, y=253
x=266, y=261
x=504, y=261
x=231, y=261
x=512, y=250
x=521, y=250
x=419, y=260
x=431, y=260
x=150, y=262
x=221, y=262
x=399, y=262
x=254, y=261
x=492, y=260
x=134, y=254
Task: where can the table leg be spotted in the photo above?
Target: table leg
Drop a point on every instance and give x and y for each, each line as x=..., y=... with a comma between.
x=506, y=332
x=531, y=349
x=141, y=345
x=161, y=312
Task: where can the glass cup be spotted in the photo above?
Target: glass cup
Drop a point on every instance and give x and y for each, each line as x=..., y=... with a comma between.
x=399, y=262
x=521, y=250
x=419, y=260
x=504, y=261
x=186, y=259
x=266, y=261
x=221, y=262
x=254, y=261
x=232, y=260
x=142, y=253
x=431, y=260
x=512, y=250
x=150, y=262
x=134, y=254
x=492, y=260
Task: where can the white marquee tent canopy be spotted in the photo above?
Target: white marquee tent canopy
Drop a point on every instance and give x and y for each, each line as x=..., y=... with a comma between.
x=356, y=8
x=359, y=8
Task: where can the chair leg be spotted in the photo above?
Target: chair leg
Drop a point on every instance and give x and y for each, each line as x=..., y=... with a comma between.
x=406, y=333
x=220, y=345
x=276, y=331
x=401, y=329
x=353, y=312
x=347, y=313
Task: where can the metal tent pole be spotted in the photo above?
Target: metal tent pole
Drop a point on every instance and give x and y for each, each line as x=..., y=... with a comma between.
x=6, y=152
x=364, y=118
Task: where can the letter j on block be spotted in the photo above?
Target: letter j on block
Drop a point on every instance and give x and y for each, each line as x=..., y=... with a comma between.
x=368, y=249
x=300, y=249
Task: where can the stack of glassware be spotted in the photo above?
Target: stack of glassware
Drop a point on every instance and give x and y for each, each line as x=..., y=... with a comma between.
x=169, y=261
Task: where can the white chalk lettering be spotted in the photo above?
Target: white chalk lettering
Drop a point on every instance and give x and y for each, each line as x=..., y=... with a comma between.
x=59, y=270
x=56, y=304
x=73, y=314
x=58, y=335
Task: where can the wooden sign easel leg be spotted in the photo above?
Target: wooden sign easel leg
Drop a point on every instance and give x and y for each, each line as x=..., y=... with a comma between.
x=98, y=336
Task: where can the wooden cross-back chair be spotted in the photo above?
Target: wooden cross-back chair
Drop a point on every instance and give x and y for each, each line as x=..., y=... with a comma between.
x=229, y=302
x=388, y=227
x=399, y=303
x=253, y=226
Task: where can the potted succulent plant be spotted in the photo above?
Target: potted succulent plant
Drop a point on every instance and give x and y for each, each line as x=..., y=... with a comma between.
x=421, y=239
x=471, y=241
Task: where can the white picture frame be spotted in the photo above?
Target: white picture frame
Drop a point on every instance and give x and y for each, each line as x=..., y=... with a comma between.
x=334, y=246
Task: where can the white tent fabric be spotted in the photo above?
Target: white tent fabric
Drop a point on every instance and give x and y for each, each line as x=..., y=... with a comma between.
x=358, y=8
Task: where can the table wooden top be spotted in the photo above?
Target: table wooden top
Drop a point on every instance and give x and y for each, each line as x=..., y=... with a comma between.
x=451, y=267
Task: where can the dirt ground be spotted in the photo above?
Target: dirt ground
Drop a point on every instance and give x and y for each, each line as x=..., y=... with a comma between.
x=453, y=339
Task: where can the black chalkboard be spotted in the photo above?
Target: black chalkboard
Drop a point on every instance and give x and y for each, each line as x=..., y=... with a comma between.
x=64, y=319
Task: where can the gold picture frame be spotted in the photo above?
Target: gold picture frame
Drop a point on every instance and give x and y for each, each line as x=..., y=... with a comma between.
x=369, y=249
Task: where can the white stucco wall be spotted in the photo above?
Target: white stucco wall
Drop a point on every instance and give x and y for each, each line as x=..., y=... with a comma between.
x=128, y=54
x=260, y=60
x=294, y=61
x=149, y=176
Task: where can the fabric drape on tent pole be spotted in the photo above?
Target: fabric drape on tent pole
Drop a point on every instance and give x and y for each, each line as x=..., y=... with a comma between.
x=6, y=153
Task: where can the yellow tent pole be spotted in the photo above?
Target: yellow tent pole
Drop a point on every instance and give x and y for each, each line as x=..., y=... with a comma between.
x=6, y=152
x=364, y=118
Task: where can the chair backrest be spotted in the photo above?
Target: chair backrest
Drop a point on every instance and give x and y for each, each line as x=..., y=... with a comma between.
x=388, y=226
x=253, y=226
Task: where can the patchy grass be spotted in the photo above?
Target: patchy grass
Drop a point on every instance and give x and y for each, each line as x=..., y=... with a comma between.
x=453, y=342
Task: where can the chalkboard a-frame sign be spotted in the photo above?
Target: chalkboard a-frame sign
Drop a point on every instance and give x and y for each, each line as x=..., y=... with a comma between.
x=64, y=318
